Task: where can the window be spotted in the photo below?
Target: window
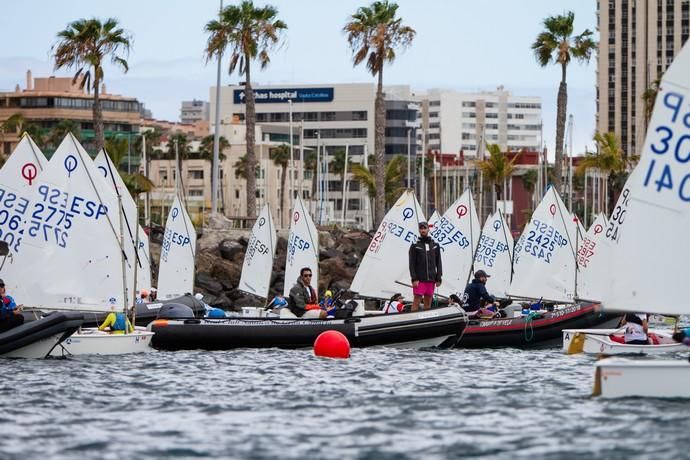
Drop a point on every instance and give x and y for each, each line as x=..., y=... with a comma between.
x=195, y=174
x=237, y=194
x=163, y=175
x=196, y=192
x=353, y=204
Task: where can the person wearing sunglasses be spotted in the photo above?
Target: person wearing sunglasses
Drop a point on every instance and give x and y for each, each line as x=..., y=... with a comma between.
x=303, y=301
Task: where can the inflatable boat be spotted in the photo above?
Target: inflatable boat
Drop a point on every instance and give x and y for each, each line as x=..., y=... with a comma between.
x=538, y=329
x=147, y=312
x=420, y=329
x=37, y=338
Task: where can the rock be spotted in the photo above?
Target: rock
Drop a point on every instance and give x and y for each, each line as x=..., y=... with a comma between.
x=243, y=240
x=281, y=245
x=230, y=248
x=248, y=301
x=329, y=253
x=326, y=240
x=332, y=270
x=220, y=301
x=207, y=283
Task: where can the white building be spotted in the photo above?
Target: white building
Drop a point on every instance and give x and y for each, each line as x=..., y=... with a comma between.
x=455, y=121
x=193, y=111
x=328, y=119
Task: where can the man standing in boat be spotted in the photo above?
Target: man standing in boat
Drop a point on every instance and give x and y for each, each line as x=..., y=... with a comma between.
x=303, y=301
x=425, y=267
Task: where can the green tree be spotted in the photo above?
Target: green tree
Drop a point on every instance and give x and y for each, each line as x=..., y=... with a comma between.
x=206, y=148
x=251, y=32
x=337, y=164
x=649, y=98
x=611, y=160
x=183, y=151
x=374, y=33
x=497, y=168
x=60, y=130
x=241, y=168
x=117, y=149
x=394, y=178
x=281, y=157
x=85, y=45
x=36, y=133
x=310, y=165
x=556, y=44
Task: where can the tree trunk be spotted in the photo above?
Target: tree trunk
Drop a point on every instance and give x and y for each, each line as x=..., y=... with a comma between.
x=379, y=151
x=98, y=115
x=250, y=123
x=282, y=196
x=560, y=129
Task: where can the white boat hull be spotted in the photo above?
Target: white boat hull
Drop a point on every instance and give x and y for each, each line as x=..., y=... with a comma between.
x=37, y=350
x=618, y=378
x=598, y=341
x=91, y=341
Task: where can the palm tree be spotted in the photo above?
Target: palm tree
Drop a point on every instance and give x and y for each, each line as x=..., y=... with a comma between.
x=556, y=44
x=183, y=150
x=337, y=164
x=374, y=33
x=649, y=98
x=251, y=32
x=117, y=149
x=206, y=148
x=310, y=165
x=394, y=178
x=611, y=160
x=281, y=157
x=85, y=45
x=36, y=133
x=497, y=168
x=60, y=130
x=241, y=168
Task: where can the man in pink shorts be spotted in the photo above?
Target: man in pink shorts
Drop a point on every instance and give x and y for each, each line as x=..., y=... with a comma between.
x=425, y=267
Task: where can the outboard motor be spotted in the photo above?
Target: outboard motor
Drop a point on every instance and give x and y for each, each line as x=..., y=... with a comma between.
x=175, y=311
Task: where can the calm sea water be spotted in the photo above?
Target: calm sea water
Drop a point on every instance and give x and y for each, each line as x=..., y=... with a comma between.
x=380, y=404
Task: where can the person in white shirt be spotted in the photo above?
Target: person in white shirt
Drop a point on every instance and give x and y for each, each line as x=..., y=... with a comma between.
x=394, y=305
x=636, y=328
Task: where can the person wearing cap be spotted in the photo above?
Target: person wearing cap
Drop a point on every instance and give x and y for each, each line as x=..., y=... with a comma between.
x=153, y=295
x=394, y=305
x=425, y=267
x=476, y=292
x=143, y=296
x=10, y=314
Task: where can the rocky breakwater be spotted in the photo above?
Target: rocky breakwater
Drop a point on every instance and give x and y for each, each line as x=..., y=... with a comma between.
x=220, y=255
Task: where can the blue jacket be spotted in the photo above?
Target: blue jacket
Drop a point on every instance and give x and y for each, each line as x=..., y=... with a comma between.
x=7, y=306
x=474, y=293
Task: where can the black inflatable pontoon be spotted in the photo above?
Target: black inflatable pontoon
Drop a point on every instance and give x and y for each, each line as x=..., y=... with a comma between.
x=37, y=338
x=418, y=329
x=147, y=312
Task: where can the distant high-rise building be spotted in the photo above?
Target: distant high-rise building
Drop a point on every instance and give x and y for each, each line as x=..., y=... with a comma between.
x=638, y=40
x=455, y=121
x=193, y=111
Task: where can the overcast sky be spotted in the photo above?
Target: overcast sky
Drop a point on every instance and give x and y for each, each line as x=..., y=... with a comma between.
x=460, y=44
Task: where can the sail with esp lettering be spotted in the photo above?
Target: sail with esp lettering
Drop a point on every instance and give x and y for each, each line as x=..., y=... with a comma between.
x=258, y=258
x=178, y=252
x=303, y=247
x=494, y=254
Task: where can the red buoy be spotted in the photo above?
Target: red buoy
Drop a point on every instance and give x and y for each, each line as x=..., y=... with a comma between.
x=332, y=344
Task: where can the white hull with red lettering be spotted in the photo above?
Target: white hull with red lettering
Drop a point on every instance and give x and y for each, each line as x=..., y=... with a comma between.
x=91, y=341
x=610, y=342
x=618, y=378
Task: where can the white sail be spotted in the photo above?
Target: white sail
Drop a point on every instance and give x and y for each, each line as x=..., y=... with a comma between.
x=71, y=242
x=18, y=182
x=650, y=262
x=176, y=267
x=457, y=232
x=434, y=220
x=545, y=267
x=494, y=254
x=386, y=261
x=592, y=277
x=112, y=176
x=303, y=247
x=258, y=258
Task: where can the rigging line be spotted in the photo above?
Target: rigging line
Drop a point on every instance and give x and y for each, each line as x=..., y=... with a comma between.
x=475, y=248
x=95, y=189
x=505, y=238
x=110, y=165
x=185, y=218
x=565, y=226
x=311, y=238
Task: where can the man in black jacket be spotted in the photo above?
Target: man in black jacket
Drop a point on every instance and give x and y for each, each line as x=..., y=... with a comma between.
x=476, y=291
x=425, y=267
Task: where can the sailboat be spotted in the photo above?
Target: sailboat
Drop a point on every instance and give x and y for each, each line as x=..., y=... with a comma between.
x=594, y=259
x=303, y=247
x=419, y=329
x=76, y=232
x=494, y=254
x=544, y=264
x=37, y=337
x=258, y=258
x=176, y=267
x=457, y=232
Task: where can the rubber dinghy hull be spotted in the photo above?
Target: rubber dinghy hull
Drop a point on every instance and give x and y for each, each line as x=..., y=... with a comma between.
x=526, y=333
x=427, y=328
x=147, y=312
x=54, y=324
